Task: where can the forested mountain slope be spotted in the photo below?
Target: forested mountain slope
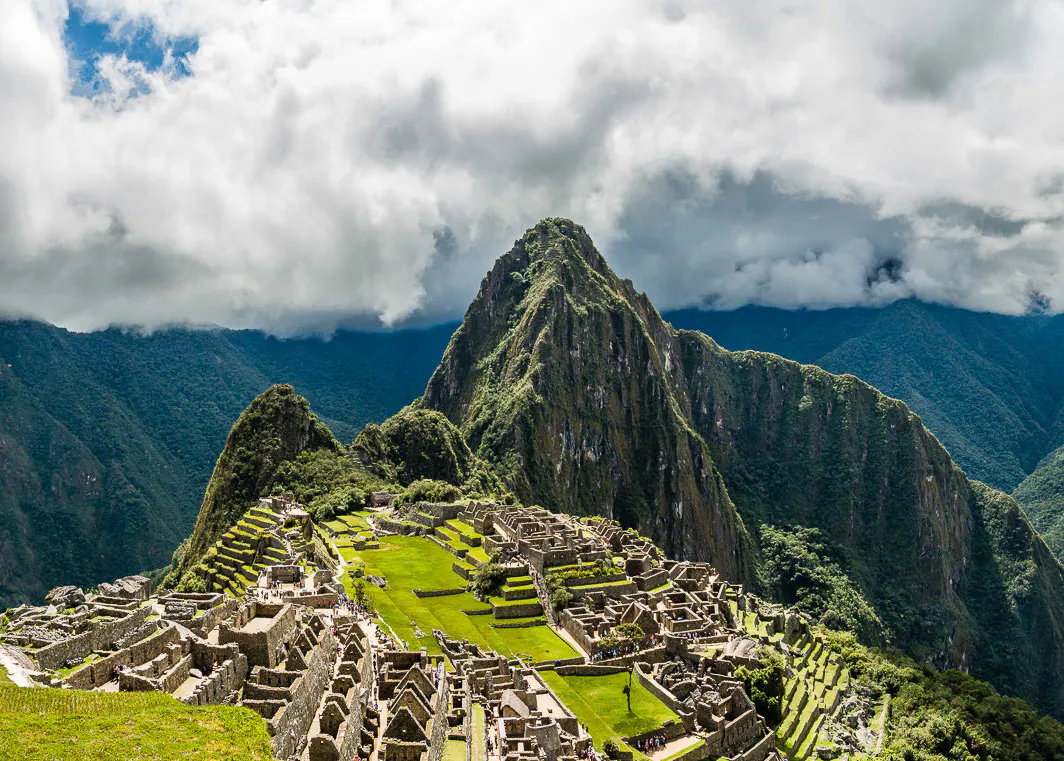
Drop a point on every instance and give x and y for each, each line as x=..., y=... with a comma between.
x=108, y=439
x=989, y=386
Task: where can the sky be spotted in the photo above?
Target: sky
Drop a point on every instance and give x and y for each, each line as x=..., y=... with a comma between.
x=298, y=165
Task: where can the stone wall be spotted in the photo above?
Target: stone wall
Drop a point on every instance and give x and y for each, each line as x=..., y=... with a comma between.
x=438, y=592
x=262, y=648
x=98, y=673
x=589, y=669
x=323, y=600
x=760, y=750
x=291, y=723
x=226, y=678
x=100, y=637
x=518, y=611
x=202, y=625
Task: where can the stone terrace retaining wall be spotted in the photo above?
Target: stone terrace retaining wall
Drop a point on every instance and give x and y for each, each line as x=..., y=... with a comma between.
x=100, y=637
x=518, y=611
x=589, y=669
x=438, y=592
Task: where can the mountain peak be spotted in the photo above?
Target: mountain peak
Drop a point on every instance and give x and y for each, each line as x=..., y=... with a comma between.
x=553, y=241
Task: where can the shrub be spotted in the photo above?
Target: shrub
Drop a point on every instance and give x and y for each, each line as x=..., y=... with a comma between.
x=560, y=598
x=426, y=490
x=191, y=582
x=765, y=685
x=487, y=579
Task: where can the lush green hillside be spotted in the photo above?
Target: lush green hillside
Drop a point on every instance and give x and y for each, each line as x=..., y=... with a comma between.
x=108, y=439
x=569, y=381
x=988, y=386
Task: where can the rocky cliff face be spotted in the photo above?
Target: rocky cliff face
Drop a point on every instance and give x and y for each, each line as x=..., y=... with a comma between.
x=560, y=375
x=588, y=402
x=275, y=428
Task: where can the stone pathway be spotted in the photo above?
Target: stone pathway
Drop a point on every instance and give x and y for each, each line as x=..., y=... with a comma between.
x=675, y=746
x=17, y=672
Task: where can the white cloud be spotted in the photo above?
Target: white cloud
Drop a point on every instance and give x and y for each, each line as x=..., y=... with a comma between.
x=828, y=153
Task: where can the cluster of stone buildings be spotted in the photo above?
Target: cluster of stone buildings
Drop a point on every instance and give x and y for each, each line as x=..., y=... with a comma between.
x=331, y=688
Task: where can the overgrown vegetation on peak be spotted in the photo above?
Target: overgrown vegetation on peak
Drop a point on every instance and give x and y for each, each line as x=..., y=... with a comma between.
x=421, y=445
x=277, y=427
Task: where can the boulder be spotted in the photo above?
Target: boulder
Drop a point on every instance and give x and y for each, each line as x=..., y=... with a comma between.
x=65, y=597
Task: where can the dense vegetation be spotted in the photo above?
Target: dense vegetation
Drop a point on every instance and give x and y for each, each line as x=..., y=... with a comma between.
x=802, y=567
x=948, y=715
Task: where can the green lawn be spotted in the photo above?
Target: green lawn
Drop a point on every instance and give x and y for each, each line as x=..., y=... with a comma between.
x=38, y=724
x=454, y=750
x=409, y=562
x=599, y=703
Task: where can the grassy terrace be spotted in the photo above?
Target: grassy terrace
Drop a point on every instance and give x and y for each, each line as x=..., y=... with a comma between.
x=599, y=703
x=67, y=724
x=410, y=562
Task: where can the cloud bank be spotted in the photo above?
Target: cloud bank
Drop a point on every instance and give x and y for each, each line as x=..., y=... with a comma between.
x=319, y=162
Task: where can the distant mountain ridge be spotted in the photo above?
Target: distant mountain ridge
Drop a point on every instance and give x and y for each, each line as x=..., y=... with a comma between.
x=108, y=439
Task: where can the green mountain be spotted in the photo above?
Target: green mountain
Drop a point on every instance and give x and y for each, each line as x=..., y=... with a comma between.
x=276, y=428
x=108, y=439
x=989, y=386
x=585, y=400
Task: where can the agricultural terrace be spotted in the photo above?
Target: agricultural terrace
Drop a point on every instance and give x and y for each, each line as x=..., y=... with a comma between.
x=57, y=725
x=413, y=562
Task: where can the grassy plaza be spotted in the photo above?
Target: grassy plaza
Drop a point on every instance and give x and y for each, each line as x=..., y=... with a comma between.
x=599, y=704
x=412, y=562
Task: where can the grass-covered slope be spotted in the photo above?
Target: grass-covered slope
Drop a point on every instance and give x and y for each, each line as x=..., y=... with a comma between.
x=57, y=725
x=559, y=375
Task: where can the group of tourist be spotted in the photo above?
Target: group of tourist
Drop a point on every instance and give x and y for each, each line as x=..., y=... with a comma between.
x=652, y=743
x=590, y=754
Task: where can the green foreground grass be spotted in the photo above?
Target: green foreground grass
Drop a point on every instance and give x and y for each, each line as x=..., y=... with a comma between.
x=599, y=703
x=56, y=725
x=412, y=562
